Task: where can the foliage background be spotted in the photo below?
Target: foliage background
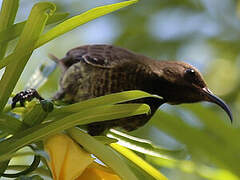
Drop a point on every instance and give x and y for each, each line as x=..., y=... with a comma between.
x=203, y=33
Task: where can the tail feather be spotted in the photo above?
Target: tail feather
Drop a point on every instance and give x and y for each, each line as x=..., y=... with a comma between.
x=58, y=62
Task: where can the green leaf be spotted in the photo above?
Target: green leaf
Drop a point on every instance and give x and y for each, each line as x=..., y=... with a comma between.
x=34, y=115
x=30, y=35
x=3, y=166
x=36, y=133
x=145, y=146
x=15, y=30
x=10, y=124
x=41, y=170
x=139, y=161
x=32, y=30
x=114, y=98
x=7, y=17
x=189, y=166
x=78, y=20
x=68, y=25
x=214, y=123
x=102, y=152
x=34, y=177
x=202, y=144
x=56, y=17
x=141, y=175
x=105, y=140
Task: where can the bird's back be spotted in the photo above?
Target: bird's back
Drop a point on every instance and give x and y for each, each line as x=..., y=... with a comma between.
x=99, y=70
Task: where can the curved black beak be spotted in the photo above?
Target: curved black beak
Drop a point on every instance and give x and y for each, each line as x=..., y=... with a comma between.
x=214, y=99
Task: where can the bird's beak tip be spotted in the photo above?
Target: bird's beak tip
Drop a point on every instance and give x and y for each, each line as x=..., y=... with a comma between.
x=214, y=99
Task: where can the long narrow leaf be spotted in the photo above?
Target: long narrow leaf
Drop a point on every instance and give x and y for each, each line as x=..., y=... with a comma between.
x=104, y=100
x=98, y=114
x=10, y=124
x=78, y=20
x=15, y=30
x=68, y=25
x=145, y=146
x=32, y=30
x=7, y=17
x=138, y=161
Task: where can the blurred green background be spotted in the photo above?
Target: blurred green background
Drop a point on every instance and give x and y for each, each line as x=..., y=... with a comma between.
x=201, y=32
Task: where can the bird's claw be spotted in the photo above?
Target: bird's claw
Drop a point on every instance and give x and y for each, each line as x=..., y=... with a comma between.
x=26, y=95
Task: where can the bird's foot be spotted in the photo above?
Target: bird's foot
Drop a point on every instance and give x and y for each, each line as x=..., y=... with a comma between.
x=26, y=95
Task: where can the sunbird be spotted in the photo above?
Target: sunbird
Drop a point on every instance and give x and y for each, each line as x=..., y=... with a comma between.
x=96, y=70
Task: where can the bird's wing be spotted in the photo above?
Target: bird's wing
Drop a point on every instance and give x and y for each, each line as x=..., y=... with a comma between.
x=102, y=56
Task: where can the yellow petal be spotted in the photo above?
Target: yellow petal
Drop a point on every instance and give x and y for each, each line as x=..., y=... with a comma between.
x=98, y=172
x=67, y=159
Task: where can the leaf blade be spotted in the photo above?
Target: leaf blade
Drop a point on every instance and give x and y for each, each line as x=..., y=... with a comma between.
x=15, y=30
x=38, y=132
x=102, y=152
x=145, y=146
x=138, y=161
x=32, y=30
x=78, y=20
x=7, y=17
x=114, y=98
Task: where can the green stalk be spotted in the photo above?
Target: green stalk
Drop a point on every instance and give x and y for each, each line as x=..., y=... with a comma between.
x=7, y=17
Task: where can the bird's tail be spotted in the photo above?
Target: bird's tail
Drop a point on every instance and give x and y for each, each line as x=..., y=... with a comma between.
x=58, y=61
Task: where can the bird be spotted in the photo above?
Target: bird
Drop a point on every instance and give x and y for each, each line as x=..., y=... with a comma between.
x=91, y=71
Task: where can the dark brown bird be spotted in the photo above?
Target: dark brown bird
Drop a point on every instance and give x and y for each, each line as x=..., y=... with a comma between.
x=96, y=70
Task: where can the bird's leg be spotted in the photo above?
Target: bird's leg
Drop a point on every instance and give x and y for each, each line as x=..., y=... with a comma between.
x=22, y=102
x=26, y=95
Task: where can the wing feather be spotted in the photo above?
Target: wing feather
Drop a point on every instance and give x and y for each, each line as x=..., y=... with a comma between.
x=102, y=56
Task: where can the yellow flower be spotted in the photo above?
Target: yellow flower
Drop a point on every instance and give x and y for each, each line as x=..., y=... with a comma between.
x=68, y=161
x=98, y=172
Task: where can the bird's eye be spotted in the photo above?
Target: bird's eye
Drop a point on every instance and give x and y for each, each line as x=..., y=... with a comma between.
x=190, y=74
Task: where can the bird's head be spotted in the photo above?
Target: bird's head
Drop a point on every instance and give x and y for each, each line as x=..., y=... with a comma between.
x=179, y=82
